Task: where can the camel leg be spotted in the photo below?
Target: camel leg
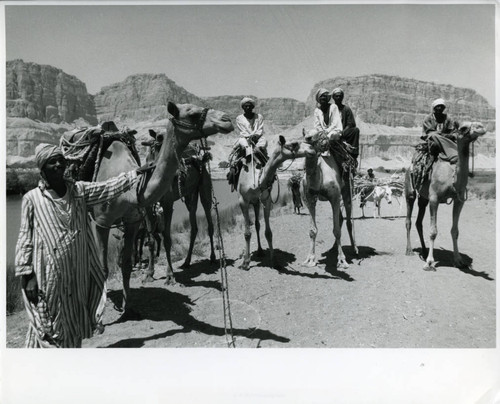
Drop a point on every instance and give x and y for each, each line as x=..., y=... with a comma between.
x=337, y=232
x=158, y=244
x=310, y=201
x=256, y=209
x=248, y=235
x=347, y=198
x=206, y=202
x=410, y=200
x=457, y=208
x=433, y=208
x=268, y=232
x=422, y=206
x=147, y=233
x=168, y=210
x=128, y=244
x=192, y=205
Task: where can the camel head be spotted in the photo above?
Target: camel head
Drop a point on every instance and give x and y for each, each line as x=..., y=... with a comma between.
x=317, y=139
x=193, y=122
x=291, y=150
x=153, y=144
x=470, y=131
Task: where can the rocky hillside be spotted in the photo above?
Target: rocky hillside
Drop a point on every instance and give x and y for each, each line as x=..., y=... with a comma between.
x=45, y=93
x=43, y=102
x=396, y=101
x=141, y=97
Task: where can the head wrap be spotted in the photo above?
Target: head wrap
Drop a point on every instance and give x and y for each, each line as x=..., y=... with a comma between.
x=45, y=151
x=320, y=92
x=370, y=169
x=437, y=102
x=245, y=100
x=337, y=90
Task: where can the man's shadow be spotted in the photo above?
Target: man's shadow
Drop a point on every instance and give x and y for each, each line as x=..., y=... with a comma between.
x=158, y=304
x=444, y=258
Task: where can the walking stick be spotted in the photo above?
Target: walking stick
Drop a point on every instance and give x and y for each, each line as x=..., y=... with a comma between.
x=253, y=167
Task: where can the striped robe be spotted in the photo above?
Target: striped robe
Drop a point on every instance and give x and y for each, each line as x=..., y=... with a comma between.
x=58, y=245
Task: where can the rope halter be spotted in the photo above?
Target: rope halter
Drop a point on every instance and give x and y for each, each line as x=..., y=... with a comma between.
x=198, y=126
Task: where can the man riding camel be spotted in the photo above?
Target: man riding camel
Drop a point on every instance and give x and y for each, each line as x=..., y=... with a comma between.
x=251, y=128
x=350, y=133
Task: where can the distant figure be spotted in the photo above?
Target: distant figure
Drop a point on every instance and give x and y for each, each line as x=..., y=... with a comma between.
x=350, y=133
x=327, y=117
x=251, y=128
x=370, y=176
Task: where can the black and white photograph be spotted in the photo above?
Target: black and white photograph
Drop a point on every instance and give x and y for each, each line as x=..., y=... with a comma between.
x=301, y=196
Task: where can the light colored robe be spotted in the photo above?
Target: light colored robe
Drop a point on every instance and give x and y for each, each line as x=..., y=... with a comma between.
x=56, y=242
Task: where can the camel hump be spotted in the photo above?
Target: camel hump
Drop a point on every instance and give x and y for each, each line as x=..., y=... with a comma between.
x=116, y=159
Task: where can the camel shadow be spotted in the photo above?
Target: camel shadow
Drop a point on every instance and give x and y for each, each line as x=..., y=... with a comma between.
x=205, y=267
x=157, y=304
x=281, y=259
x=444, y=258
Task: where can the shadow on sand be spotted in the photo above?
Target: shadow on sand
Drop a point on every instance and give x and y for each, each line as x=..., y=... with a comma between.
x=157, y=304
x=444, y=258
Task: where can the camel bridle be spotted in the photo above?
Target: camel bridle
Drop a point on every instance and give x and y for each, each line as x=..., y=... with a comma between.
x=198, y=126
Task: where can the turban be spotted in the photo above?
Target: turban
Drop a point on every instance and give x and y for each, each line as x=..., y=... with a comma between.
x=245, y=100
x=437, y=102
x=45, y=151
x=320, y=92
x=337, y=90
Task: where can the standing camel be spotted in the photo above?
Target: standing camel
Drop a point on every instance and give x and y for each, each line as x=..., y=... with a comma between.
x=446, y=182
x=188, y=122
x=325, y=174
x=254, y=188
x=196, y=182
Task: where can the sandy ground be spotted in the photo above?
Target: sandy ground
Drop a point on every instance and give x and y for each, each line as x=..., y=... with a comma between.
x=383, y=299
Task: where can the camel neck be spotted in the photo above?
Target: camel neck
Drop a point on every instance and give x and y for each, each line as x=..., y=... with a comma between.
x=167, y=164
x=462, y=176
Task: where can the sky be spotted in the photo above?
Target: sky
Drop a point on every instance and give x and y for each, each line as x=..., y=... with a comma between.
x=261, y=50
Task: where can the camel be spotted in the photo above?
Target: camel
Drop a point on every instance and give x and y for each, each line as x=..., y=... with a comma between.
x=152, y=237
x=197, y=182
x=254, y=188
x=379, y=193
x=446, y=182
x=324, y=173
x=188, y=122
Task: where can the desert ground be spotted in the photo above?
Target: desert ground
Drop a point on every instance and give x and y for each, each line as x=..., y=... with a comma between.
x=384, y=299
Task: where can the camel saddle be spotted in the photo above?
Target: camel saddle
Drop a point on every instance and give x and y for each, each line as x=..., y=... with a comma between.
x=84, y=148
x=238, y=160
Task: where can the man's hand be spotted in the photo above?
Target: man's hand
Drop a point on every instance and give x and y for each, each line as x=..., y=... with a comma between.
x=30, y=286
x=335, y=137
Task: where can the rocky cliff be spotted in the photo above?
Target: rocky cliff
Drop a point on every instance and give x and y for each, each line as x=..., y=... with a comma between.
x=396, y=101
x=141, y=97
x=45, y=93
x=279, y=113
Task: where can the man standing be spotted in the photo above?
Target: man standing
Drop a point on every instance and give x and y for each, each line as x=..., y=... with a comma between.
x=62, y=276
x=350, y=133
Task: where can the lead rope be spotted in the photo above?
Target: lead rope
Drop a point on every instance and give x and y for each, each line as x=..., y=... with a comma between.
x=228, y=322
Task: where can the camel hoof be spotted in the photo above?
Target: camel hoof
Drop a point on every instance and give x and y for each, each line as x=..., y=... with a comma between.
x=342, y=264
x=310, y=263
x=213, y=259
x=170, y=280
x=356, y=251
x=245, y=265
x=429, y=268
x=148, y=278
x=409, y=252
